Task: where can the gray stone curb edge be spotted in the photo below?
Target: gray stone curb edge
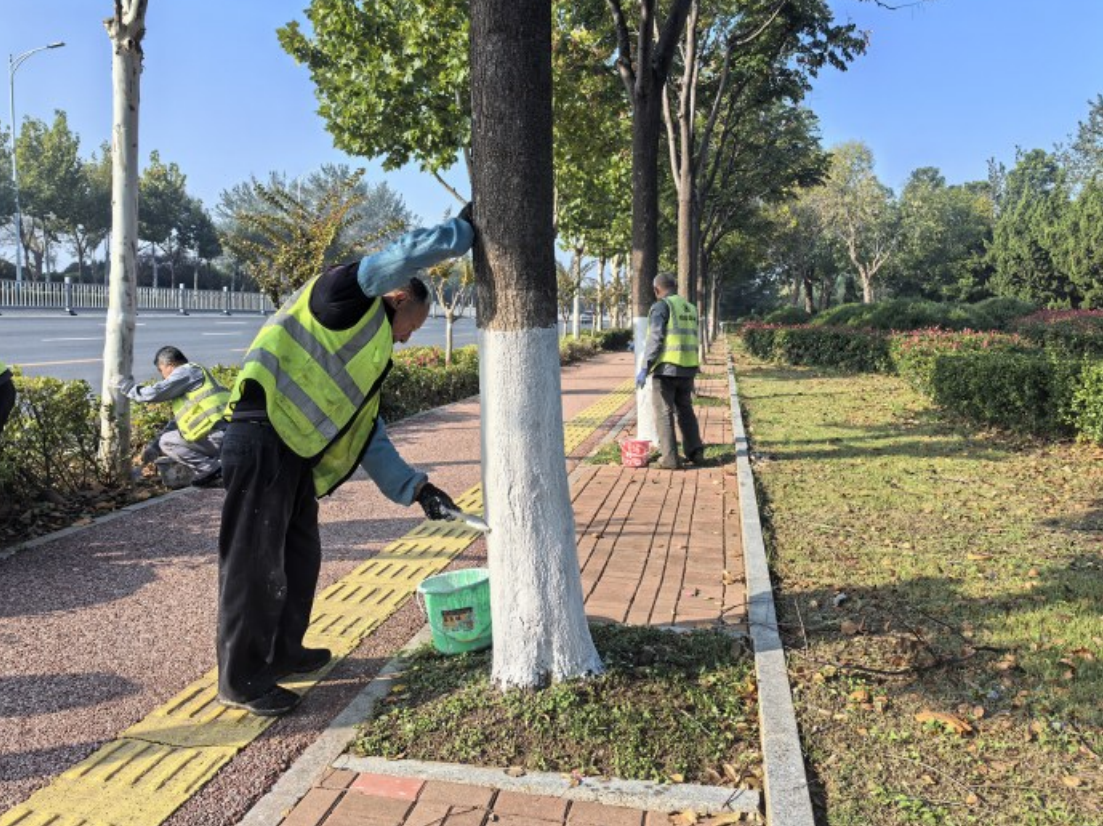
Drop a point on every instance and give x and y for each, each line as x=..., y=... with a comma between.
x=634, y=794
x=788, y=802
x=328, y=752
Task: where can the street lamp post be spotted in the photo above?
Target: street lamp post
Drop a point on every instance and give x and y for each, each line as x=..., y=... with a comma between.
x=13, y=64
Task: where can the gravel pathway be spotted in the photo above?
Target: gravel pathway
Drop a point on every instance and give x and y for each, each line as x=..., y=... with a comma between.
x=99, y=627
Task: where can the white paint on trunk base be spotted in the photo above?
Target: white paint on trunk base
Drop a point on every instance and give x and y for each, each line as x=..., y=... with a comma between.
x=645, y=412
x=540, y=629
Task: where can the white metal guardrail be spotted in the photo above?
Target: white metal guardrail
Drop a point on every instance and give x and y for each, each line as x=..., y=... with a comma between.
x=70, y=297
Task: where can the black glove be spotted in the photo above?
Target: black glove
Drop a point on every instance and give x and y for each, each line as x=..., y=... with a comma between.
x=465, y=213
x=433, y=501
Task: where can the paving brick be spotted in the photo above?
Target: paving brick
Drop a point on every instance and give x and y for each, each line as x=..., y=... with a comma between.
x=584, y=813
x=337, y=779
x=657, y=819
x=535, y=807
x=368, y=810
x=466, y=816
x=457, y=794
x=385, y=785
x=427, y=814
x=313, y=807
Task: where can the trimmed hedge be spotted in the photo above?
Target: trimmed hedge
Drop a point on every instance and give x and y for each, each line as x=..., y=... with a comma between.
x=788, y=315
x=914, y=353
x=1023, y=392
x=916, y=314
x=1075, y=332
x=841, y=348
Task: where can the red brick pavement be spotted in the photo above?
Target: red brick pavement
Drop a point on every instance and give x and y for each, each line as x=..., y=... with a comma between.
x=656, y=547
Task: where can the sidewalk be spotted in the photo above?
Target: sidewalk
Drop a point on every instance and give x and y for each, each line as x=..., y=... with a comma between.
x=134, y=627
x=656, y=547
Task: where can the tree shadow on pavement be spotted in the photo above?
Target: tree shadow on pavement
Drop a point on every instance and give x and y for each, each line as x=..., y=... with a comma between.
x=28, y=695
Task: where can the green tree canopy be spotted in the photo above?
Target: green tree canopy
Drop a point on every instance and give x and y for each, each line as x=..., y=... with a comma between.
x=391, y=77
x=1024, y=245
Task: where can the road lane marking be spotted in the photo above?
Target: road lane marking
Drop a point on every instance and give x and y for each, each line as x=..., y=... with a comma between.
x=56, y=363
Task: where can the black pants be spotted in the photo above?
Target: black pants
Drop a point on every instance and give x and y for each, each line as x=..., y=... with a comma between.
x=7, y=401
x=269, y=555
x=673, y=396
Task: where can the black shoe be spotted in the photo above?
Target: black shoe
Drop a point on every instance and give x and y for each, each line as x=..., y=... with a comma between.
x=697, y=456
x=311, y=659
x=276, y=701
x=208, y=480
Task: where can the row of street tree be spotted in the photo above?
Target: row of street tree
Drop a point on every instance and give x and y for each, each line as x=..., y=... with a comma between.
x=1032, y=232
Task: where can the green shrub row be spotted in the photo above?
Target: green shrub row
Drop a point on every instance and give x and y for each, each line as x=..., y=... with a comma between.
x=1005, y=380
x=911, y=314
x=842, y=348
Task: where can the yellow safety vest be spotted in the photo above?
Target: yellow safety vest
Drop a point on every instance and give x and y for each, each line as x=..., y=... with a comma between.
x=680, y=343
x=321, y=385
x=199, y=410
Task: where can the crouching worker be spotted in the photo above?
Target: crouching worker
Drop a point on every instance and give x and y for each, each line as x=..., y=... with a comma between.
x=194, y=436
x=304, y=414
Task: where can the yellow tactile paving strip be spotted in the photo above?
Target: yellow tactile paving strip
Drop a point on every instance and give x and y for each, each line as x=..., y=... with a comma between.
x=158, y=763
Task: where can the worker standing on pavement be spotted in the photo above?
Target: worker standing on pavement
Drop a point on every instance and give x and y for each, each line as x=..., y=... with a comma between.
x=7, y=395
x=303, y=414
x=671, y=358
x=198, y=402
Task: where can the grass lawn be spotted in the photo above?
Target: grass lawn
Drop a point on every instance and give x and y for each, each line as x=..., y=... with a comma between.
x=941, y=598
x=673, y=707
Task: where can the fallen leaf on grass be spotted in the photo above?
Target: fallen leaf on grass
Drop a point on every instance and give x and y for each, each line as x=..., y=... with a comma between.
x=974, y=557
x=731, y=773
x=971, y=799
x=1071, y=781
x=849, y=627
x=951, y=721
x=677, y=777
x=859, y=695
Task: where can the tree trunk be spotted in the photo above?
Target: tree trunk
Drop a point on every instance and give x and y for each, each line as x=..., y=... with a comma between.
x=867, y=285
x=449, y=319
x=687, y=184
x=126, y=30
x=645, y=235
x=540, y=628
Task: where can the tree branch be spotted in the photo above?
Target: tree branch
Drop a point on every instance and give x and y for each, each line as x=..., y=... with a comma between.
x=668, y=39
x=446, y=185
x=624, y=47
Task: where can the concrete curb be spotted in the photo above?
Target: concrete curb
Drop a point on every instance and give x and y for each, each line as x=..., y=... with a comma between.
x=788, y=800
x=299, y=778
x=634, y=794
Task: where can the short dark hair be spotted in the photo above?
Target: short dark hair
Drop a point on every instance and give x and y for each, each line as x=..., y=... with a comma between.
x=667, y=281
x=418, y=291
x=169, y=355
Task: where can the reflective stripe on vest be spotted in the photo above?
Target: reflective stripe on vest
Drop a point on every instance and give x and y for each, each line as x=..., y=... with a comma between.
x=680, y=343
x=199, y=410
x=321, y=385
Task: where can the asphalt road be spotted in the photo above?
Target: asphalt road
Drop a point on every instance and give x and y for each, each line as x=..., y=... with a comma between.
x=50, y=343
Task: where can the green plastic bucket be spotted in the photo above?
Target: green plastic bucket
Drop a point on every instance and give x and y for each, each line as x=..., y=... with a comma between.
x=457, y=604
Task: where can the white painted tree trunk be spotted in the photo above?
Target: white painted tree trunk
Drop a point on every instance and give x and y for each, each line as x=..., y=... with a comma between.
x=576, y=312
x=541, y=633
x=449, y=320
x=645, y=412
x=126, y=30
x=540, y=629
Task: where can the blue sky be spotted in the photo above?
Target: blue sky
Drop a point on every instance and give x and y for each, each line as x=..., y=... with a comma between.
x=948, y=83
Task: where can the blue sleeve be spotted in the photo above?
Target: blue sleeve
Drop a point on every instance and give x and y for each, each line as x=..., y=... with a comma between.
x=184, y=378
x=396, y=479
x=393, y=266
